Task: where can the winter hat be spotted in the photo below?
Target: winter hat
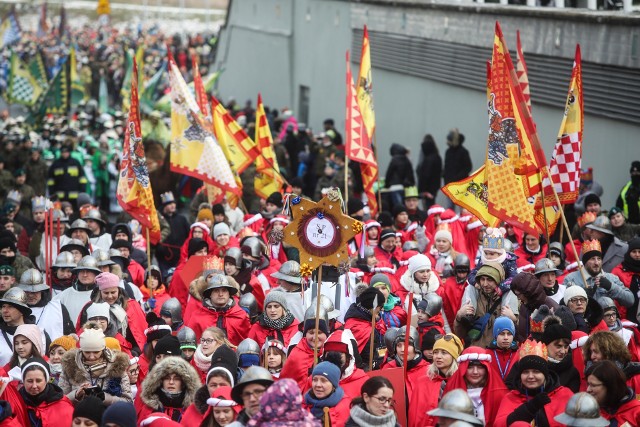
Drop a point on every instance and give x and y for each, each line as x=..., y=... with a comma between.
x=572, y=292
x=92, y=340
x=217, y=209
x=224, y=360
x=107, y=280
x=503, y=323
x=419, y=262
x=493, y=270
x=278, y=297
x=633, y=244
x=554, y=330
x=122, y=414
x=397, y=210
x=66, y=341
x=222, y=399
x=221, y=228
x=615, y=210
x=566, y=318
x=112, y=344
x=33, y=334
x=590, y=248
x=98, y=309
x=121, y=243
x=533, y=355
x=385, y=220
x=40, y=363
x=370, y=296
x=386, y=234
x=275, y=199
x=158, y=419
x=329, y=371
x=157, y=330
x=592, y=198
x=196, y=244
x=443, y=234
x=635, y=166
x=429, y=340
x=205, y=213
x=380, y=279
x=311, y=324
x=167, y=345
x=354, y=206
x=91, y=408
x=451, y=344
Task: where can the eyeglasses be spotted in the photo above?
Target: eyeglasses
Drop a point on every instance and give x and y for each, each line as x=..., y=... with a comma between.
x=591, y=385
x=134, y=371
x=257, y=394
x=207, y=340
x=385, y=400
x=579, y=300
x=611, y=315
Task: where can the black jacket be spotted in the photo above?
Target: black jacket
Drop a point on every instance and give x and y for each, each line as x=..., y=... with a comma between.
x=400, y=170
x=457, y=164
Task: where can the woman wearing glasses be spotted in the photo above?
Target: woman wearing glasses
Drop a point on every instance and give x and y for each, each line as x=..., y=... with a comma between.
x=375, y=405
x=428, y=392
x=586, y=311
x=211, y=339
x=169, y=388
x=606, y=383
x=607, y=345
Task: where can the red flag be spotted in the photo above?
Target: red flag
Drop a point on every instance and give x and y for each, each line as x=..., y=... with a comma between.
x=134, y=188
x=522, y=73
x=201, y=94
x=358, y=145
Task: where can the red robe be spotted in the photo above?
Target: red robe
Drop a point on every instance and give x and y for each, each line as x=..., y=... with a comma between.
x=259, y=333
x=220, y=251
x=427, y=392
x=136, y=271
x=161, y=295
x=525, y=258
x=414, y=375
x=452, y=292
x=178, y=288
x=628, y=412
x=234, y=321
x=626, y=277
x=503, y=360
x=299, y=363
x=361, y=330
x=339, y=414
x=54, y=414
x=559, y=398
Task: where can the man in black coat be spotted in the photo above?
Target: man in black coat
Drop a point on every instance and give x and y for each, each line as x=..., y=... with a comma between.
x=168, y=251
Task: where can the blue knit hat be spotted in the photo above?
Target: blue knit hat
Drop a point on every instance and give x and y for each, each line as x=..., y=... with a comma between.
x=503, y=324
x=329, y=371
x=122, y=414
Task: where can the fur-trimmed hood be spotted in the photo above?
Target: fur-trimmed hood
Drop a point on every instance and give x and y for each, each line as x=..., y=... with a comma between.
x=170, y=365
x=117, y=365
x=197, y=286
x=200, y=399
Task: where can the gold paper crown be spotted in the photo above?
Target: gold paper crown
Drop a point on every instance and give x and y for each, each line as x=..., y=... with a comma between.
x=410, y=192
x=213, y=263
x=586, y=218
x=167, y=198
x=591, y=245
x=533, y=348
x=245, y=232
x=443, y=226
x=492, y=242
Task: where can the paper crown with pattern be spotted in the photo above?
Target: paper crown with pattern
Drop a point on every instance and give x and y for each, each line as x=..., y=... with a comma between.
x=443, y=226
x=586, y=218
x=533, y=348
x=410, y=192
x=591, y=245
x=213, y=264
x=493, y=239
x=167, y=198
x=39, y=203
x=14, y=196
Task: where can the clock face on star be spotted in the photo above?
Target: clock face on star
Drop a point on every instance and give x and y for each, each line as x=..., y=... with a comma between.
x=320, y=232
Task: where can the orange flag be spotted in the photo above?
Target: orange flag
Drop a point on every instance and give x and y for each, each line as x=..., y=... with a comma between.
x=134, y=188
x=522, y=73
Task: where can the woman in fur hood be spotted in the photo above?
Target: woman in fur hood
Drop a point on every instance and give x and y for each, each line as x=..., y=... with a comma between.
x=95, y=370
x=169, y=387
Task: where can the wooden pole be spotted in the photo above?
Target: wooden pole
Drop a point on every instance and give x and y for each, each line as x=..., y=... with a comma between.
x=375, y=150
x=371, y=338
x=346, y=181
x=50, y=241
x=149, y=265
x=544, y=207
x=317, y=328
x=47, y=267
x=562, y=228
x=407, y=334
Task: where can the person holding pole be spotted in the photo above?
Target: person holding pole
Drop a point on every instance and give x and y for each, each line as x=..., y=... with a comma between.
x=360, y=317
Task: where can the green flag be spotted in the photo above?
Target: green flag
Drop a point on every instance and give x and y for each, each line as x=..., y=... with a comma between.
x=56, y=99
x=149, y=94
x=37, y=69
x=78, y=91
x=23, y=87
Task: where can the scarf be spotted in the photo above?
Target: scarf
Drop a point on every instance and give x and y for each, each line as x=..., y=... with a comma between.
x=207, y=304
x=631, y=264
x=202, y=362
x=363, y=418
x=443, y=260
x=318, y=405
x=120, y=314
x=277, y=324
x=391, y=302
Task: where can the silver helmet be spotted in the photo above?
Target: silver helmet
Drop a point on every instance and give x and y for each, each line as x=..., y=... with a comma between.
x=389, y=340
x=327, y=305
x=64, y=260
x=234, y=255
x=80, y=224
x=434, y=304
x=173, y=309
x=254, y=247
x=249, y=304
x=75, y=244
x=460, y=424
x=556, y=247
x=87, y=263
x=461, y=262
x=218, y=281
x=253, y=375
x=607, y=303
x=457, y=405
x=102, y=257
x=414, y=337
x=247, y=346
x=582, y=410
x=94, y=215
x=32, y=281
x=17, y=298
x=508, y=245
x=310, y=314
x=289, y=272
x=601, y=224
x=410, y=245
x=545, y=265
x=187, y=337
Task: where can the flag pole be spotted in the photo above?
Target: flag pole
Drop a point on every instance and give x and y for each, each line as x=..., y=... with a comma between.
x=317, y=326
x=375, y=151
x=544, y=207
x=346, y=180
x=407, y=333
x=371, y=338
x=149, y=263
x=562, y=228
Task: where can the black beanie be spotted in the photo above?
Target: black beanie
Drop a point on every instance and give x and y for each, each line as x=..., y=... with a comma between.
x=8, y=242
x=311, y=324
x=397, y=210
x=196, y=244
x=354, y=205
x=121, y=243
x=367, y=298
x=385, y=234
x=225, y=358
x=91, y=408
x=429, y=339
x=217, y=209
x=634, y=244
x=554, y=330
x=275, y=199
x=534, y=362
x=592, y=198
x=385, y=220
x=168, y=345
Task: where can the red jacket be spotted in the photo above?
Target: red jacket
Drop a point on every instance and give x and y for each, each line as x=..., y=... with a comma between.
x=503, y=360
x=234, y=321
x=352, y=385
x=628, y=412
x=143, y=411
x=220, y=251
x=559, y=398
x=178, y=288
x=137, y=272
x=299, y=363
x=414, y=374
x=525, y=258
x=161, y=295
x=339, y=414
x=361, y=330
x=427, y=392
x=452, y=292
x=259, y=333
x=626, y=277
x=52, y=414
x=137, y=322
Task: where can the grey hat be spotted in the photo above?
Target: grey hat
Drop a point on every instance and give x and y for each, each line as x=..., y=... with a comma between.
x=218, y=281
x=457, y=405
x=64, y=260
x=80, y=224
x=102, y=257
x=545, y=265
x=601, y=224
x=278, y=297
x=75, y=244
x=87, y=263
x=253, y=375
x=289, y=272
x=582, y=410
x=17, y=298
x=32, y=281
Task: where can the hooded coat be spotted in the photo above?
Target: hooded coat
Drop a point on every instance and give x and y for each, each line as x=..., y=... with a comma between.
x=400, y=170
x=54, y=410
x=151, y=399
x=457, y=162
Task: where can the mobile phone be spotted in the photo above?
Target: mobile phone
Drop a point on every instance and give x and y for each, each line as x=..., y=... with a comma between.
x=89, y=391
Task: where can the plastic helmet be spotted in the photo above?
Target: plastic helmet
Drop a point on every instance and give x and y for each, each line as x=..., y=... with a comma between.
x=32, y=281
x=173, y=309
x=545, y=265
x=289, y=272
x=102, y=257
x=414, y=337
x=187, y=337
x=556, y=247
x=80, y=224
x=247, y=346
x=508, y=245
x=601, y=224
x=607, y=303
x=457, y=405
x=249, y=304
x=582, y=410
x=434, y=304
x=311, y=313
x=17, y=297
x=94, y=214
x=218, y=281
x=75, y=244
x=254, y=247
x=64, y=260
x=460, y=424
x=368, y=252
x=234, y=255
x=389, y=340
x=253, y=375
x=462, y=263
x=327, y=305
x=410, y=245
x=87, y=263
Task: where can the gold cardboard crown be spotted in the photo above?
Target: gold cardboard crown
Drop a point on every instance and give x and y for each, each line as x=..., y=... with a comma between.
x=533, y=348
x=586, y=218
x=591, y=245
x=213, y=263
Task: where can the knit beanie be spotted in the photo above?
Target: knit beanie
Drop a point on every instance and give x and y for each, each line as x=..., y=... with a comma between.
x=224, y=360
x=451, y=344
x=397, y=210
x=278, y=297
x=592, y=198
x=554, y=330
x=107, y=280
x=196, y=244
x=112, y=344
x=157, y=330
x=217, y=209
x=168, y=345
x=501, y=324
x=311, y=324
x=91, y=408
x=40, y=363
x=633, y=244
x=380, y=279
x=386, y=234
x=66, y=341
x=98, y=309
x=328, y=370
x=92, y=340
x=221, y=228
x=122, y=414
x=493, y=270
x=429, y=340
x=534, y=362
x=370, y=296
x=443, y=234
x=275, y=199
x=205, y=213
x=566, y=318
x=121, y=243
x=418, y=262
x=573, y=292
x=33, y=334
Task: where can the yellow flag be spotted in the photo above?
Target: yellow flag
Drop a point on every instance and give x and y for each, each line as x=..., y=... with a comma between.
x=471, y=193
x=364, y=89
x=268, y=179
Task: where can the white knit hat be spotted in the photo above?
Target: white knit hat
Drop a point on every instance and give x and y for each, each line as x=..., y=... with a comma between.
x=98, y=309
x=419, y=262
x=443, y=234
x=92, y=340
x=574, y=291
x=221, y=228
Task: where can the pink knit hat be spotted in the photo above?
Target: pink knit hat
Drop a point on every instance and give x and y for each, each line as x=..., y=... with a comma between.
x=107, y=281
x=33, y=334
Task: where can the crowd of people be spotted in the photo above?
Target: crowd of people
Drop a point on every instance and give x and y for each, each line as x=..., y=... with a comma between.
x=216, y=325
